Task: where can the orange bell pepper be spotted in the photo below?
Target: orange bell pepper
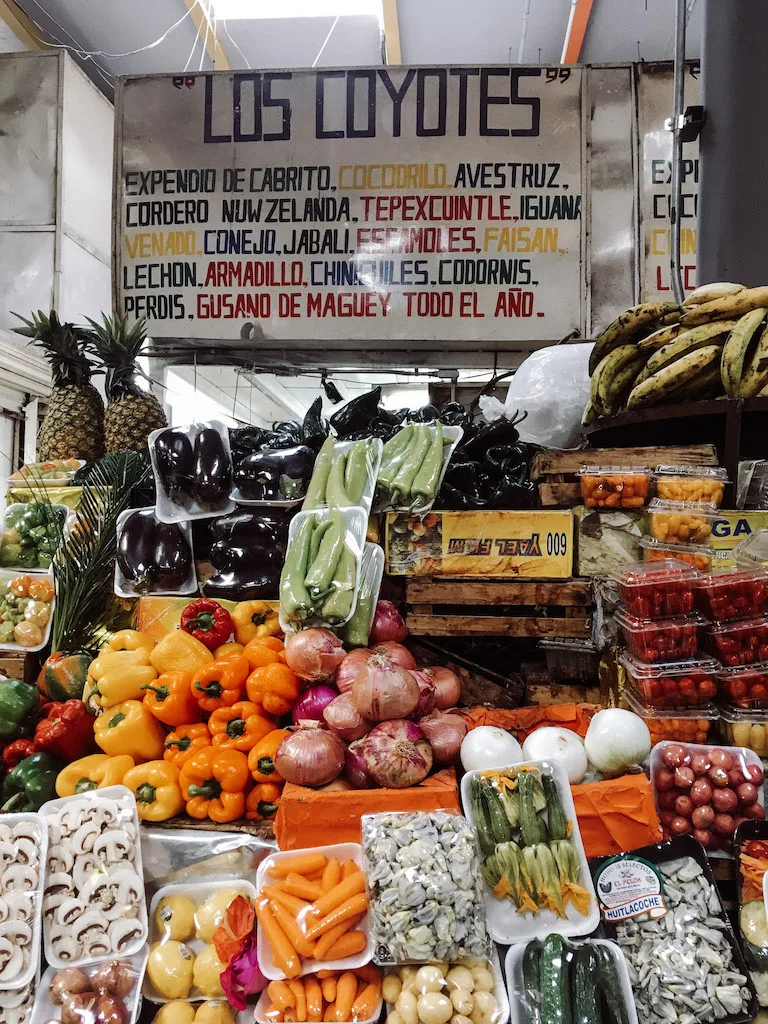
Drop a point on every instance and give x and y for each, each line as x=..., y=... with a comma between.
x=185, y=741
x=265, y=650
x=263, y=801
x=261, y=758
x=275, y=687
x=213, y=783
x=170, y=699
x=220, y=684
x=239, y=727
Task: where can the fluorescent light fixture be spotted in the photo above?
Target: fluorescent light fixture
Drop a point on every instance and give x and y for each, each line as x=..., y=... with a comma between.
x=250, y=9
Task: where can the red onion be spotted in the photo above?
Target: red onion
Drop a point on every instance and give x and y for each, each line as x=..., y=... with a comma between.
x=445, y=733
x=426, y=694
x=312, y=703
x=447, y=687
x=355, y=771
x=311, y=756
x=383, y=690
x=387, y=624
x=350, y=667
x=397, y=653
x=314, y=654
x=397, y=754
x=342, y=717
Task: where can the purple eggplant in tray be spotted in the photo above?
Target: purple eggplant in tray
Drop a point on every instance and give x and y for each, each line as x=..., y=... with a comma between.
x=175, y=464
x=275, y=474
x=153, y=557
x=212, y=470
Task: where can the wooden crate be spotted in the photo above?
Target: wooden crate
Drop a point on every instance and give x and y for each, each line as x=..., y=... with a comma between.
x=479, y=685
x=556, y=473
x=515, y=608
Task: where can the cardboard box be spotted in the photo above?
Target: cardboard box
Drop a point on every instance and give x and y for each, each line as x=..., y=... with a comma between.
x=495, y=545
x=732, y=527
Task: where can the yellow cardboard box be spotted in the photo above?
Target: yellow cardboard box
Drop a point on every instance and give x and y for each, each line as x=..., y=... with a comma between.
x=732, y=527
x=532, y=545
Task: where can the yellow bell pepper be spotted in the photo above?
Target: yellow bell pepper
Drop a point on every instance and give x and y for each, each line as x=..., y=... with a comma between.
x=156, y=788
x=254, y=618
x=96, y=771
x=227, y=651
x=129, y=640
x=116, y=676
x=130, y=728
x=180, y=652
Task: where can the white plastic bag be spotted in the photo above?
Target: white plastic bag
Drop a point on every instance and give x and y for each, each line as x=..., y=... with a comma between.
x=552, y=386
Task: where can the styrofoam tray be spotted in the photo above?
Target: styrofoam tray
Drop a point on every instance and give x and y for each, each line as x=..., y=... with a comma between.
x=14, y=1012
x=39, y=827
x=513, y=968
x=165, y=510
x=453, y=435
x=69, y=517
x=125, y=798
x=10, y=574
x=375, y=448
x=504, y=923
x=198, y=892
x=356, y=524
x=372, y=574
x=123, y=589
x=44, y=1010
x=342, y=851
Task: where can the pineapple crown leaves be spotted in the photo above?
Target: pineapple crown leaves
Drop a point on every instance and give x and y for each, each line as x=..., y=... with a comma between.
x=116, y=346
x=63, y=345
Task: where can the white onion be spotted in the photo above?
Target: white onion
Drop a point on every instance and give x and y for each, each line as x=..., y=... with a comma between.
x=489, y=747
x=617, y=741
x=553, y=744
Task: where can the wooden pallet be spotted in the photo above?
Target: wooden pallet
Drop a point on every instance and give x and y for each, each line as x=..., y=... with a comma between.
x=556, y=473
x=449, y=606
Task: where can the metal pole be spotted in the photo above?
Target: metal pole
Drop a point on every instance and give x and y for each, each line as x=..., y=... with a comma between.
x=677, y=148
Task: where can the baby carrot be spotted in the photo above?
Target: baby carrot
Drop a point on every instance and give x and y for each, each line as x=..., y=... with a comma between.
x=351, y=908
x=331, y=875
x=283, y=954
x=302, y=864
x=274, y=1015
x=369, y=973
x=339, y=893
x=296, y=937
x=347, y=945
x=314, y=996
x=276, y=894
x=348, y=868
x=346, y=990
x=325, y=973
x=325, y=942
x=330, y=1012
x=329, y=989
x=281, y=995
x=301, y=887
x=364, y=1006
x=297, y=988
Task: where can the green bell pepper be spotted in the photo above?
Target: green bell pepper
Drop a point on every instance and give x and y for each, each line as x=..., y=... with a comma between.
x=30, y=784
x=18, y=700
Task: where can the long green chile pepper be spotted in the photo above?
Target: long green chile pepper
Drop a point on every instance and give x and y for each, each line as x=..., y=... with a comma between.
x=392, y=460
x=314, y=545
x=315, y=496
x=356, y=631
x=295, y=601
x=321, y=573
x=396, y=445
x=401, y=489
x=425, y=482
x=356, y=473
x=335, y=492
x=336, y=607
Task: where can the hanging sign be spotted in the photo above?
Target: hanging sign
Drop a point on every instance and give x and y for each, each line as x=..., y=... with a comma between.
x=436, y=203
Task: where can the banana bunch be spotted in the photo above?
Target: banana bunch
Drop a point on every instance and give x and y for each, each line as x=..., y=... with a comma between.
x=714, y=345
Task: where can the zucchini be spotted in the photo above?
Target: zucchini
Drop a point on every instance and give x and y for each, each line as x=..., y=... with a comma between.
x=584, y=977
x=556, y=819
x=530, y=831
x=497, y=819
x=480, y=818
x=532, y=981
x=555, y=989
x=753, y=925
x=615, y=1008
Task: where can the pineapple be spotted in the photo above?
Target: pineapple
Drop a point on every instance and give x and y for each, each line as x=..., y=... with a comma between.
x=132, y=414
x=73, y=425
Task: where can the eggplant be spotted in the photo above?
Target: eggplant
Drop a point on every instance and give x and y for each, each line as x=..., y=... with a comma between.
x=276, y=475
x=175, y=464
x=247, y=555
x=212, y=470
x=233, y=586
x=153, y=556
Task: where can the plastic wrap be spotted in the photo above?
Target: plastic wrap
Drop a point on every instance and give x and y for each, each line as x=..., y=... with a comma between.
x=738, y=643
x=745, y=727
x=93, y=901
x=691, y=483
x=607, y=540
x=153, y=557
x=367, y=1011
x=23, y=845
x=681, y=522
x=658, y=590
x=344, y=475
x=17, y=586
x=273, y=477
x=17, y=1005
x=357, y=630
x=56, y=473
x=745, y=686
x=697, y=555
x=693, y=726
x=552, y=386
x=30, y=534
x=413, y=465
x=676, y=684
x=112, y=992
x=732, y=594
x=193, y=471
x=753, y=550
x=615, y=486
x=434, y=854
x=474, y=988
x=662, y=640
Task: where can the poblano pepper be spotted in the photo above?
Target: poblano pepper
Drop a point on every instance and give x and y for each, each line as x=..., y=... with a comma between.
x=30, y=784
x=18, y=701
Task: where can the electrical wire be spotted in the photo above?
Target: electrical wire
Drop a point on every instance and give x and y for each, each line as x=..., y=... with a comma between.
x=205, y=44
x=326, y=40
x=229, y=37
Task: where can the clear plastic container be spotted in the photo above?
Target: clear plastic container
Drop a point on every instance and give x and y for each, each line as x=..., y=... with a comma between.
x=745, y=686
x=192, y=449
x=128, y=589
x=691, y=483
x=753, y=550
x=661, y=640
x=657, y=590
x=681, y=522
x=23, y=848
x=706, y=791
x=53, y=531
x=732, y=594
x=615, y=486
x=577, y=660
x=696, y=555
x=131, y=970
x=7, y=576
x=745, y=728
x=738, y=643
x=693, y=726
x=673, y=685
x=56, y=473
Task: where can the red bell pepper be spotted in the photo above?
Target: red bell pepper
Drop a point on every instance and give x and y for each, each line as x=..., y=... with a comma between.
x=65, y=730
x=208, y=622
x=17, y=751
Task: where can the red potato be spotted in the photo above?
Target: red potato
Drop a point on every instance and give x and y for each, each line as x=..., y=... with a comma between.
x=721, y=759
x=702, y=817
x=701, y=792
x=666, y=801
x=735, y=778
x=664, y=779
x=684, y=778
x=754, y=773
x=739, y=820
x=674, y=755
x=725, y=801
x=680, y=826
x=723, y=824
x=747, y=793
x=718, y=776
x=700, y=764
x=714, y=842
x=726, y=844
x=704, y=837
x=754, y=811
x=667, y=817
x=684, y=806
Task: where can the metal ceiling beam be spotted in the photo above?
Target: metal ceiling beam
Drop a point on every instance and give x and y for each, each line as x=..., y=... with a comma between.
x=576, y=31
x=22, y=27
x=200, y=12
x=392, y=32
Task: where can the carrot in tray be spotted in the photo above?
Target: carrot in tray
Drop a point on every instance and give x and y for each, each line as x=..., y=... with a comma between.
x=296, y=937
x=346, y=990
x=351, y=908
x=326, y=973
x=281, y=995
x=299, y=886
x=364, y=1006
x=347, y=945
x=348, y=868
x=283, y=954
x=297, y=987
x=325, y=942
x=331, y=875
x=314, y=995
x=276, y=894
x=328, y=987
x=339, y=893
x=301, y=864
x=330, y=1012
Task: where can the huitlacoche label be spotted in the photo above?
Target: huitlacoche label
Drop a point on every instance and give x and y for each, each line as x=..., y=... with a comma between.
x=630, y=888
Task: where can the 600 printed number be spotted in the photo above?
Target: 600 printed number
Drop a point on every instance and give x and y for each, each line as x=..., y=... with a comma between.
x=557, y=543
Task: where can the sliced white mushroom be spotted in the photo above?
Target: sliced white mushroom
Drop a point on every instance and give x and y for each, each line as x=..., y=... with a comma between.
x=10, y=999
x=129, y=888
x=70, y=910
x=11, y=960
x=64, y=946
x=92, y=920
x=97, y=944
x=6, y=833
x=122, y=933
x=7, y=852
x=61, y=857
x=85, y=867
x=52, y=901
x=21, y=905
x=26, y=829
x=19, y=877
x=26, y=850
x=55, y=833
x=5, y=911
x=18, y=933
x=59, y=881
x=83, y=840
x=113, y=846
